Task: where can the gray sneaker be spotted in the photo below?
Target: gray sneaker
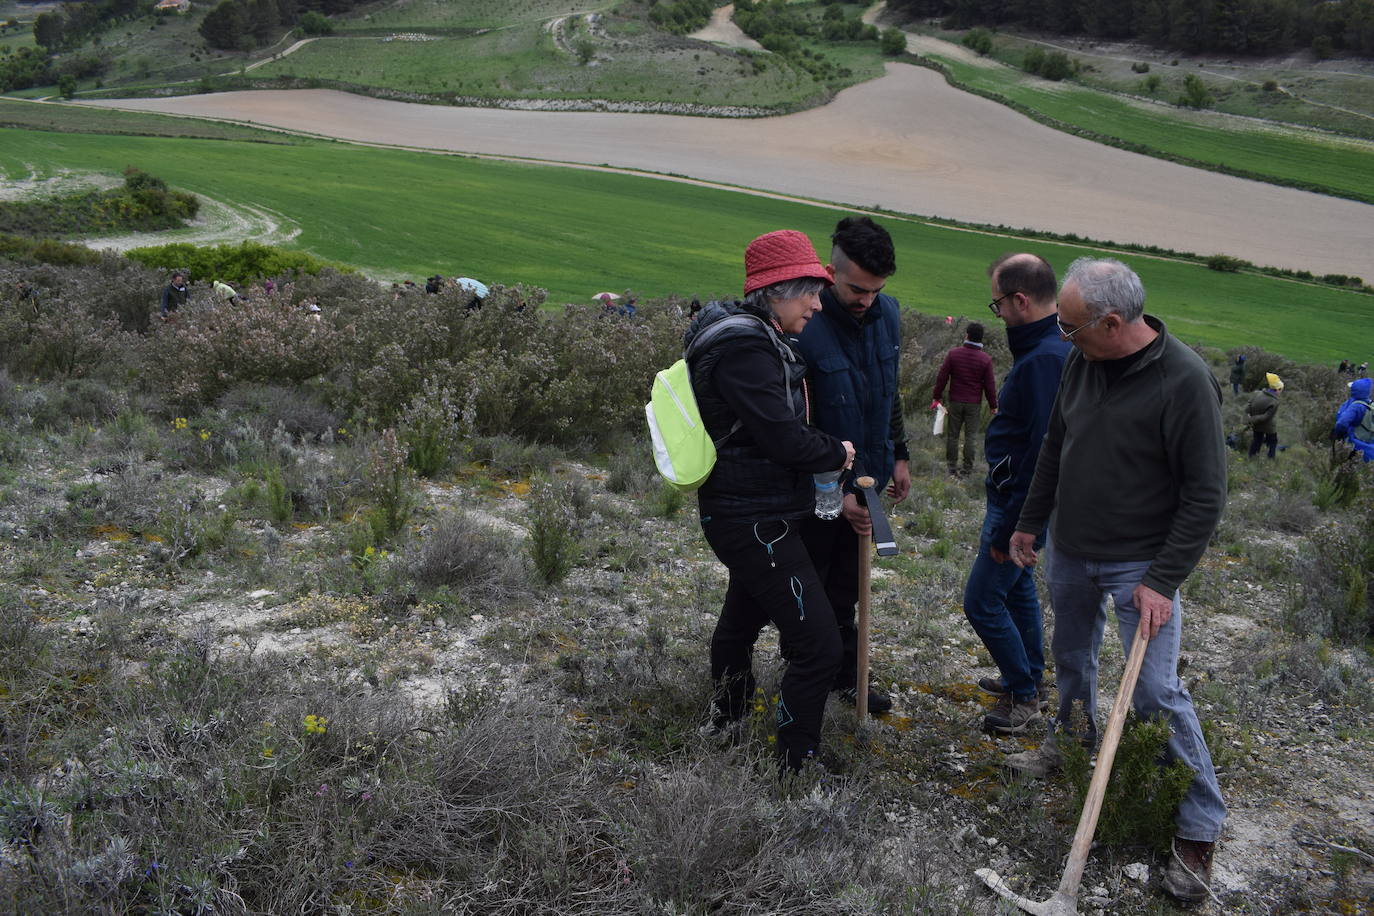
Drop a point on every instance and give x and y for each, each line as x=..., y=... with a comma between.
x=1038, y=763
x=1011, y=718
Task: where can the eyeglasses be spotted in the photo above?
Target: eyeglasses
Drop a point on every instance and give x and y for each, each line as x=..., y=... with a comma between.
x=1070, y=331
x=995, y=306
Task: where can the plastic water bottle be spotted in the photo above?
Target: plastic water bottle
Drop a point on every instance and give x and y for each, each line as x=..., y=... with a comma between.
x=829, y=496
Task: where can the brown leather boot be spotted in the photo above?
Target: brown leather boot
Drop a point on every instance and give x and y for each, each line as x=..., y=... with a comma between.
x=1188, y=878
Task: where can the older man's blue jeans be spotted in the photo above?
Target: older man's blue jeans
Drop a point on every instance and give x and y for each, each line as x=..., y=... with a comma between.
x=1001, y=604
x=1079, y=588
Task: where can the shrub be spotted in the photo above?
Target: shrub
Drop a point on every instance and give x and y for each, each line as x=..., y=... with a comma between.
x=143, y=203
x=1058, y=66
x=388, y=487
x=266, y=407
x=1142, y=795
x=1270, y=86
x=1195, y=94
x=242, y=263
x=460, y=552
x=553, y=541
x=1225, y=263
x=315, y=23
x=1140, y=67
x=428, y=428
x=44, y=251
x=892, y=41
x=1335, y=582
x=209, y=350
x=979, y=40
x=1151, y=83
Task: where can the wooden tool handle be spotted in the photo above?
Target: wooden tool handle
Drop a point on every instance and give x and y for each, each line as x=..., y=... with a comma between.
x=1097, y=789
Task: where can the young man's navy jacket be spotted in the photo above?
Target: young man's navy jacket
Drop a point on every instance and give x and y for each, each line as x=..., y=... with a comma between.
x=853, y=376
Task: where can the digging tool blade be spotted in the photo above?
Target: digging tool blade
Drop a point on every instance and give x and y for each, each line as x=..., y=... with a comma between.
x=882, y=529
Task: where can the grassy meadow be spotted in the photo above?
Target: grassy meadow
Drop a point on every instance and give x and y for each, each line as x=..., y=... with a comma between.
x=1337, y=165
x=525, y=63
x=397, y=214
x=1332, y=95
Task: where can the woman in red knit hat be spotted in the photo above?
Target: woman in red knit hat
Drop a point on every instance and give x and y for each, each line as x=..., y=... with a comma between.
x=750, y=386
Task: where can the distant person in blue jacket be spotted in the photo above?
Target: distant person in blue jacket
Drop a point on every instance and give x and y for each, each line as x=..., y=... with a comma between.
x=1355, y=419
x=1000, y=599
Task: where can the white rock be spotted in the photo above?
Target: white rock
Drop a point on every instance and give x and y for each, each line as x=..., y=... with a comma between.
x=261, y=593
x=1137, y=871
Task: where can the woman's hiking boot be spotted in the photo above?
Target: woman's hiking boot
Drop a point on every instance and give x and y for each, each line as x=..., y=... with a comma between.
x=1188, y=879
x=878, y=702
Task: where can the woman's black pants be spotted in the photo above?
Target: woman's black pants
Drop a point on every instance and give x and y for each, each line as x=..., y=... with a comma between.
x=772, y=579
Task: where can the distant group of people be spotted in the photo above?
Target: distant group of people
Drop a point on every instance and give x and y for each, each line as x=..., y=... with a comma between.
x=1348, y=367
x=177, y=293
x=1106, y=441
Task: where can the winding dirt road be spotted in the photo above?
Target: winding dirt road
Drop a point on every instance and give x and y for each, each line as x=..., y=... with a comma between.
x=906, y=141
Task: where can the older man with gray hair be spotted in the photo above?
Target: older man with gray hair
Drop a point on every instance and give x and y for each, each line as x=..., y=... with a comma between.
x=1133, y=466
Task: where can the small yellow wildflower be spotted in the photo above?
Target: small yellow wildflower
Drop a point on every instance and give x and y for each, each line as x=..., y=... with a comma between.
x=179, y=423
x=204, y=434
x=267, y=753
x=315, y=725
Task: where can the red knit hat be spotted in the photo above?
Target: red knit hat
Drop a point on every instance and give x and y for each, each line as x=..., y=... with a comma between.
x=783, y=255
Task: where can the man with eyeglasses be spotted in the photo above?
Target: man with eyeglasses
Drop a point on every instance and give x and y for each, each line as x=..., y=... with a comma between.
x=1133, y=466
x=1000, y=599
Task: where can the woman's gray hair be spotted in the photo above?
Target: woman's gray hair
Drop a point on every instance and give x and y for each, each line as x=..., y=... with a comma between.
x=1107, y=286
x=764, y=297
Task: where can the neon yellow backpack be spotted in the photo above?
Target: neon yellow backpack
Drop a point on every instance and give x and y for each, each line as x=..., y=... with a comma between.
x=683, y=449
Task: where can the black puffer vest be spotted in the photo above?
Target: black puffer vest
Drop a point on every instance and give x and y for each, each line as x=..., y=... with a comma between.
x=745, y=484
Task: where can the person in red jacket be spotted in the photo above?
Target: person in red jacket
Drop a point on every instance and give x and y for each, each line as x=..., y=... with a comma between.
x=968, y=370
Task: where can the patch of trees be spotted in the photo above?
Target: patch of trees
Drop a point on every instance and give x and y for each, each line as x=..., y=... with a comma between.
x=242, y=25
x=681, y=16
x=778, y=20
x=28, y=67
x=70, y=24
x=1215, y=26
x=25, y=68
x=144, y=203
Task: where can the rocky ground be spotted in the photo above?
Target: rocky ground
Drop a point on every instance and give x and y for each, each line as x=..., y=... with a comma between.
x=1290, y=721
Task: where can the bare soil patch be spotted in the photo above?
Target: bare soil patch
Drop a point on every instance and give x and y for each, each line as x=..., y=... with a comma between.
x=906, y=142
x=722, y=30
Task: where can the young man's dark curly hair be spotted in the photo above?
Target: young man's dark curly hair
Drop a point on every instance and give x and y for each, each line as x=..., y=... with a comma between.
x=864, y=242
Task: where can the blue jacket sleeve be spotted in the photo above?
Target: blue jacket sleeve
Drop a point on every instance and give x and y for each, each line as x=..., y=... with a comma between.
x=1349, y=418
x=1037, y=383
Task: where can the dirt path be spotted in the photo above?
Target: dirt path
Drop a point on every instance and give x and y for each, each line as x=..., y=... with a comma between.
x=275, y=57
x=722, y=30
x=218, y=223
x=907, y=142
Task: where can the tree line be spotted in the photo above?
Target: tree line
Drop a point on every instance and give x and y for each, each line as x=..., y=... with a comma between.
x=1247, y=27
x=241, y=25
x=72, y=23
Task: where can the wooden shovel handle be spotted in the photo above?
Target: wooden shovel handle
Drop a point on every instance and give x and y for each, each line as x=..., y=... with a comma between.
x=1097, y=789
